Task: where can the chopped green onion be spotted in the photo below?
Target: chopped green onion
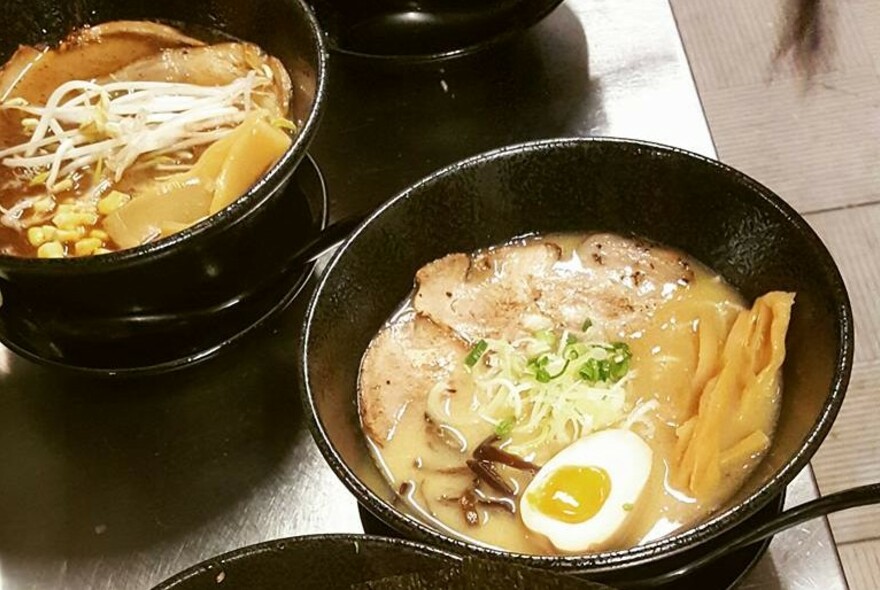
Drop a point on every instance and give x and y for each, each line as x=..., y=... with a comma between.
x=542, y=375
x=562, y=370
x=475, y=353
x=539, y=366
x=532, y=393
x=619, y=362
x=611, y=369
x=621, y=348
x=539, y=361
x=628, y=507
x=588, y=323
x=590, y=371
x=504, y=427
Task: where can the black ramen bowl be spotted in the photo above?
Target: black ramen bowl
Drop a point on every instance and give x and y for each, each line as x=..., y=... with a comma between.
x=721, y=217
x=343, y=562
x=413, y=31
x=319, y=562
x=174, y=300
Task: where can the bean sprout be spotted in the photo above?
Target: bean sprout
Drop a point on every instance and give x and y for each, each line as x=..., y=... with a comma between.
x=86, y=122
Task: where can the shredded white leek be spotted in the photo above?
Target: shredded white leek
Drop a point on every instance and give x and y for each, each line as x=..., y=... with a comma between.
x=114, y=123
x=545, y=390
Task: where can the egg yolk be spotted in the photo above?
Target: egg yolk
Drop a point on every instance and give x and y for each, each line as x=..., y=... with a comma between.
x=572, y=494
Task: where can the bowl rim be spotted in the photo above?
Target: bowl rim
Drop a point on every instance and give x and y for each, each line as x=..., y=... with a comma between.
x=606, y=561
x=265, y=188
x=281, y=544
x=306, y=166
x=524, y=21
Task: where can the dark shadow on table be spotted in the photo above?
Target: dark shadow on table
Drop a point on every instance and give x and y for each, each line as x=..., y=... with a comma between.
x=113, y=465
x=381, y=118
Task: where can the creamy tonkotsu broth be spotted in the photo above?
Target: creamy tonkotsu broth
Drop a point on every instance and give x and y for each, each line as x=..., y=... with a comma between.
x=610, y=362
x=129, y=131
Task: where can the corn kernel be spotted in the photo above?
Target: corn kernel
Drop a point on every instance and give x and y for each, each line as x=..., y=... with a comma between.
x=44, y=205
x=61, y=186
x=49, y=231
x=101, y=251
x=112, y=202
x=64, y=220
x=51, y=250
x=36, y=236
x=74, y=220
x=86, y=246
x=100, y=234
x=70, y=235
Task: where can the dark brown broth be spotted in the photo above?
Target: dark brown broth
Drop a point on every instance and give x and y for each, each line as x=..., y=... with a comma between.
x=13, y=188
x=113, y=56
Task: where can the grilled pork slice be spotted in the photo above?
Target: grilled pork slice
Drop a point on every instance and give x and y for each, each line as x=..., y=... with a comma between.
x=33, y=73
x=514, y=290
x=399, y=369
x=211, y=65
x=486, y=296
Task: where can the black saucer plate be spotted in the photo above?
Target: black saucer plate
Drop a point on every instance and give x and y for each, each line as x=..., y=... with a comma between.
x=420, y=31
x=724, y=573
x=307, y=195
x=265, y=301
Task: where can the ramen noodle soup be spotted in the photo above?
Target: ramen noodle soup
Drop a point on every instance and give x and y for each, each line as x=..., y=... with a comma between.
x=568, y=394
x=130, y=131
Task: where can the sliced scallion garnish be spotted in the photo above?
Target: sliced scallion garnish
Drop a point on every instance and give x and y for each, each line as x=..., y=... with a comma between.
x=504, y=427
x=475, y=353
x=556, y=393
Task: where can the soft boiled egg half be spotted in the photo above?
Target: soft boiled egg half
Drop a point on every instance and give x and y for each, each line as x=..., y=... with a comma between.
x=583, y=496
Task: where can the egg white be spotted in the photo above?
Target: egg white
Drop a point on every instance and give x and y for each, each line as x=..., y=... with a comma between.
x=627, y=460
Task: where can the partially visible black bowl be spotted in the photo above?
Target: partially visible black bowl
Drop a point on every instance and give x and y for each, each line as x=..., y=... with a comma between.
x=340, y=562
x=721, y=217
x=318, y=562
x=166, y=303
x=414, y=31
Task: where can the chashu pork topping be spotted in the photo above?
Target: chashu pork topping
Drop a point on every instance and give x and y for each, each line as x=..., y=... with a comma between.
x=510, y=291
x=402, y=364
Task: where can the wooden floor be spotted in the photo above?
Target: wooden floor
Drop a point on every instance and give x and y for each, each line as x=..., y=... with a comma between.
x=818, y=146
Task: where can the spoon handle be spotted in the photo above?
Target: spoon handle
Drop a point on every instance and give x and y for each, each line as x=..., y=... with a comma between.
x=851, y=498
x=330, y=237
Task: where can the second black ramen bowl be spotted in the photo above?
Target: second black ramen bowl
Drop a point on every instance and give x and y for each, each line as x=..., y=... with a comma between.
x=706, y=209
x=172, y=301
x=418, y=31
x=320, y=562
x=347, y=562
